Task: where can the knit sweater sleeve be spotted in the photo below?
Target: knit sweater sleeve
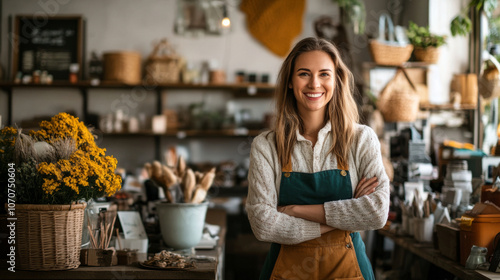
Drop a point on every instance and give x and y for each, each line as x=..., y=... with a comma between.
x=370, y=211
x=267, y=223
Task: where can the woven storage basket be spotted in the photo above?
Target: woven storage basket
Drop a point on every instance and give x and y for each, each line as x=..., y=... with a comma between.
x=389, y=52
x=489, y=81
x=398, y=101
x=122, y=67
x=163, y=65
x=49, y=237
x=428, y=55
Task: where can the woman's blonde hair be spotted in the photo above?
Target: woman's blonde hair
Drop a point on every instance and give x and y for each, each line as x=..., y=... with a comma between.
x=341, y=111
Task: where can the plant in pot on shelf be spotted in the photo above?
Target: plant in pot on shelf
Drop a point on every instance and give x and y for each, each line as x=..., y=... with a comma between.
x=51, y=173
x=182, y=216
x=426, y=45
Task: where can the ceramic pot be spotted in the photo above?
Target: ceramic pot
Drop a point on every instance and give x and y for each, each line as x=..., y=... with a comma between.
x=181, y=224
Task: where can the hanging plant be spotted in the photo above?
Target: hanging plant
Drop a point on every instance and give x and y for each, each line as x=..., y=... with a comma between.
x=461, y=24
x=355, y=11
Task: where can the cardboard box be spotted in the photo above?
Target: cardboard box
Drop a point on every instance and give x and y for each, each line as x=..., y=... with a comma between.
x=126, y=257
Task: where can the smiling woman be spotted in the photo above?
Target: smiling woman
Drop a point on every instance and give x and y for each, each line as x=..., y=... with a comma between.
x=318, y=176
x=312, y=84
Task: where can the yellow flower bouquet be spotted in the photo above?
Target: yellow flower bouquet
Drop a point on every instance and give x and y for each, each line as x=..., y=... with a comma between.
x=58, y=164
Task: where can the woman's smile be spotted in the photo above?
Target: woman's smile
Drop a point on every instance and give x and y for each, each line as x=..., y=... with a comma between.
x=313, y=96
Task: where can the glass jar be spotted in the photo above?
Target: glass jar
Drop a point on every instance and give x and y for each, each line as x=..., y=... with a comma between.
x=477, y=257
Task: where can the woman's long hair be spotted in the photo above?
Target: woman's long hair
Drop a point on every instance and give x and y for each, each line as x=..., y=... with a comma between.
x=341, y=110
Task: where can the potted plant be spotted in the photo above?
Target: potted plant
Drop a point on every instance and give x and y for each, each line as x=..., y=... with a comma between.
x=182, y=215
x=56, y=170
x=426, y=45
x=461, y=24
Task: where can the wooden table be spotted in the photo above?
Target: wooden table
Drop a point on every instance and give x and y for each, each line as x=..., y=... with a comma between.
x=427, y=252
x=203, y=270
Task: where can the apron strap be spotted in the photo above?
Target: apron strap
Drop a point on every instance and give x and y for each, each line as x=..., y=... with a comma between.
x=342, y=166
x=288, y=166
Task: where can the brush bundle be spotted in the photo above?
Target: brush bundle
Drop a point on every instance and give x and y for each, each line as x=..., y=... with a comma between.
x=101, y=229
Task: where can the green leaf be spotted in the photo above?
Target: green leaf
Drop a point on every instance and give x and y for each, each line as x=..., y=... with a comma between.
x=460, y=25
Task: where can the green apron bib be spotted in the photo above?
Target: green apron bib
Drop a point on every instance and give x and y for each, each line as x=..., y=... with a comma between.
x=317, y=188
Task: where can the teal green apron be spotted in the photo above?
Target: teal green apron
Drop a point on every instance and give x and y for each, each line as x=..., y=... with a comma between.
x=317, y=188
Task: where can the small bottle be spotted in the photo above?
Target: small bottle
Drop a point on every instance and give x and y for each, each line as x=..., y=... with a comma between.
x=95, y=69
x=36, y=76
x=204, y=73
x=43, y=77
x=18, y=78
x=240, y=77
x=27, y=79
x=73, y=72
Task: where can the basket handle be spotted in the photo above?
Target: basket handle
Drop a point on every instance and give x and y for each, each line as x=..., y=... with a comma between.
x=384, y=17
x=402, y=69
x=162, y=46
x=487, y=56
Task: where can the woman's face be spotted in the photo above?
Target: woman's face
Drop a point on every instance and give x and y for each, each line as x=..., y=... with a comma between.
x=313, y=81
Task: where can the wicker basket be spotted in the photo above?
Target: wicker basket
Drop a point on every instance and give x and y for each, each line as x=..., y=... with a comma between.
x=398, y=101
x=427, y=55
x=393, y=55
x=122, y=67
x=467, y=85
x=163, y=65
x=388, y=52
x=489, y=89
x=49, y=237
x=489, y=81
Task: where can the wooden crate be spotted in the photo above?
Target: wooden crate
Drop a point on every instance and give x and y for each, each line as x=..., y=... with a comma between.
x=448, y=241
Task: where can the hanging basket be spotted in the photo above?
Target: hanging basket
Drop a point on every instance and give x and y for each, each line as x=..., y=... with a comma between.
x=489, y=81
x=163, y=64
x=399, y=101
x=428, y=55
x=389, y=52
x=49, y=237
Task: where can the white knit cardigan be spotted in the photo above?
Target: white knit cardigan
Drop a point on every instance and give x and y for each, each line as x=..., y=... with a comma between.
x=364, y=213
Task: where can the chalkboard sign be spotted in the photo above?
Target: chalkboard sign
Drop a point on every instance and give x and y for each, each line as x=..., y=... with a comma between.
x=49, y=44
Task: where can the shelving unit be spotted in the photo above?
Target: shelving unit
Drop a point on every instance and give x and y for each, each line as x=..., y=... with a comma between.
x=252, y=90
x=238, y=90
x=181, y=134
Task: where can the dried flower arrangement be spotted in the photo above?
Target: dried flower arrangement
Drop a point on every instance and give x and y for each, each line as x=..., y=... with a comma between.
x=180, y=183
x=58, y=164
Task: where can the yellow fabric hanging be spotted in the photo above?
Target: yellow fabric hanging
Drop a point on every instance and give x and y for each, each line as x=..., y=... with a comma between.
x=274, y=23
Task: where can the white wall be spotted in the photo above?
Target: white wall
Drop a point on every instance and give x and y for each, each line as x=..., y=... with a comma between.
x=454, y=58
x=134, y=25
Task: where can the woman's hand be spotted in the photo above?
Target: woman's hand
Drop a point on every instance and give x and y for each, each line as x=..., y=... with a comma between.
x=365, y=187
x=286, y=209
x=324, y=228
x=308, y=212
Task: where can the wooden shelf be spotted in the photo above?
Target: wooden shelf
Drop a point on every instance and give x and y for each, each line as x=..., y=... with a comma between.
x=193, y=133
x=434, y=107
x=427, y=252
x=115, y=85
x=408, y=64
